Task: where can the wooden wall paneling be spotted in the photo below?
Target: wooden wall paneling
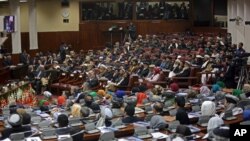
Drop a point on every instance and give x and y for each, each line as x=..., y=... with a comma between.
x=47, y=41
x=25, y=41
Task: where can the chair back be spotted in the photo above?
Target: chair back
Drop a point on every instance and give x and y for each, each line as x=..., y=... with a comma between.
x=203, y=120
x=48, y=133
x=44, y=124
x=107, y=136
x=141, y=131
x=17, y=136
x=90, y=126
x=196, y=108
x=117, y=122
x=36, y=120
x=173, y=125
x=75, y=122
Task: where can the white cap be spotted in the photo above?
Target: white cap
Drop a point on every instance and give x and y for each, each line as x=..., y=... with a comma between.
x=199, y=56
x=178, y=57
x=206, y=56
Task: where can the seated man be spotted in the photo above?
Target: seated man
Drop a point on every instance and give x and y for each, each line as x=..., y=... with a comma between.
x=157, y=121
x=181, y=113
x=15, y=120
x=64, y=128
x=185, y=72
x=129, y=115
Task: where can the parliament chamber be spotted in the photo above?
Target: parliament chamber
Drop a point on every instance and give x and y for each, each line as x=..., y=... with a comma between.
x=124, y=70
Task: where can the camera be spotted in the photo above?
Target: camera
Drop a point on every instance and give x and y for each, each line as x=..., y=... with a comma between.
x=240, y=60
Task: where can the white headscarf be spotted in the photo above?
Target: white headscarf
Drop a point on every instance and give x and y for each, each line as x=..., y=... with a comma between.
x=214, y=122
x=204, y=90
x=106, y=113
x=208, y=108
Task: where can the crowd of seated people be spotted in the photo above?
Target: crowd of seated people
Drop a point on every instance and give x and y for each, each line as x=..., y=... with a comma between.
x=99, y=107
x=146, y=57
x=162, y=10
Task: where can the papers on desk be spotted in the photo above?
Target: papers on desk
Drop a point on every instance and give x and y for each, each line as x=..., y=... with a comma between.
x=194, y=115
x=62, y=137
x=194, y=129
x=138, y=110
x=1, y=118
x=7, y=139
x=194, y=101
x=130, y=139
x=44, y=115
x=211, y=98
x=142, y=124
x=181, y=94
x=33, y=139
x=104, y=129
x=159, y=135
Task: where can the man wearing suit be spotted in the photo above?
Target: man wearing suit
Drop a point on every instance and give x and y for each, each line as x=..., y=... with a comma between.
x=92, y=82
x=24, y=58
x=145, y=70
x=38, y=75
x=7, y=61
x=185, y=72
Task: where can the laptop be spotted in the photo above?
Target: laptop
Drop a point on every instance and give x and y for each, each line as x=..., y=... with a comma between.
x=229, y=115
x=148, y=109
x=90, y=128
x=75, y=122
x=48, y=134
x=196, y=108
x=118, y=124
x=203, y=121
x=173, y=126
x=142, y=133
x=36, y=120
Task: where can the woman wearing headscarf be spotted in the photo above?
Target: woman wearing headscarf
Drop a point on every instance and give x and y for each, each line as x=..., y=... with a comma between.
x=104, y=98
x=246, y=90
x=76, y=111
x=205, y=91
x=215, y=88
x=105, y=119
x=140, y=97
x=213, y=123
x=208, y=108
x=156, y=75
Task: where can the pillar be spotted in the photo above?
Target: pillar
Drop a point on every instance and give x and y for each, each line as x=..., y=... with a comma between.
x=32, y=25
x=16, y=36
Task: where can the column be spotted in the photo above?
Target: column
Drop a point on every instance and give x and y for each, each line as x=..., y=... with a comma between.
x=32, y=25
x=16, y=36
x=247, y=10
x=240, y=8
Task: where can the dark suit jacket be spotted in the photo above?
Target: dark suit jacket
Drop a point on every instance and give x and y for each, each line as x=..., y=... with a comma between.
x=8, y=131
x=93, y=82
x=185, y=73
x=144, y=72
x=182, y=116
x=130, y=119
x=72, y=131
x=124, y=82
